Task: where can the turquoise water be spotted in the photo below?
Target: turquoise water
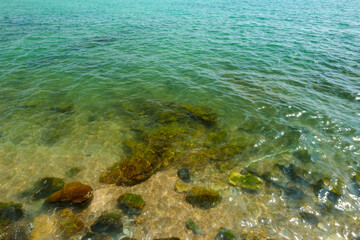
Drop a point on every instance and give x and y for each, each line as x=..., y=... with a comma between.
x=285, y=73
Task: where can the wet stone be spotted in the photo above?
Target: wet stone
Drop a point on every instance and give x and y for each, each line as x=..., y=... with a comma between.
x=184, y=174
x=293, y=192
x=11, y=211
x=203, y=198
x=225, y=234
x=71, y=193
x=108, y=222
x=44, y=188
x=131, y=204
x=247, y=182
x=191, y=225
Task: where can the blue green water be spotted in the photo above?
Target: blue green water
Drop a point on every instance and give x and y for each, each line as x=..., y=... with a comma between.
x=286, y=72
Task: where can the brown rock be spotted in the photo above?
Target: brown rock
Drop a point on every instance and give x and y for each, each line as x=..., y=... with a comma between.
x=72, y=192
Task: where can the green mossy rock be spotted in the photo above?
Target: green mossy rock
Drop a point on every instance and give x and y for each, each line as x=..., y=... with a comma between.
x=108, y=222
x=11, y=211
x=131, y=204
x=69, y=223
x=73, y=192
x=247, y=182
x=191, y=225
x=44, y=188
x=181, y=188
x=203, y=198
x=225, y=234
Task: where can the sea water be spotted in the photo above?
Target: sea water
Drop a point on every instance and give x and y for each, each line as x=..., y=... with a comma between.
x=77, y=78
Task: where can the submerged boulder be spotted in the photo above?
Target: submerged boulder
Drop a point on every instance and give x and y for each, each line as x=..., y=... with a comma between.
x=70, y=223
x=11, y=211
x=184, y=174
x=73, y=192
x=131, y=204
x=203, y=198
x=328, y=190
x=247, y=181
x=44, y=187
x=108, y=222
x=226, y=234
x=309, y=218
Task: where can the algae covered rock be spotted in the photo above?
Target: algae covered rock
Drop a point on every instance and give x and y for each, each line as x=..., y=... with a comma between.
x=205, y=115
x=184, y=174
x=169, y=238
x=191, y=225
x=203, y=198
x=226, y=234
x=70, y=223
x=73, y=192
x=247, y=182
x=44, y=187
x=181, y=188
x=108, y=222
x=131, y=203
x=11, y=211
x=328, y=190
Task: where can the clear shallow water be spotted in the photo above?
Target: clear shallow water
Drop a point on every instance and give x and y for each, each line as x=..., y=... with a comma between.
x=285, y=72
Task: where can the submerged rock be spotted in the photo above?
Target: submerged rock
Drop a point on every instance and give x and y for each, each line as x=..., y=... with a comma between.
x=131, y=203
x=293, y=174
x=44, y=188
x=69, y=223
x=203, y=198
x=72, y=172
x=216, y=138
x=72, y=193
x=181, y=188
x=225, y=234
x=328, y=189
x=309, y=218
x=11, y=211
x=205, y=115
x=302, y=155
x=184, y=174
x=92, y=236
x=247, y=182
x=108, y=222
x=63, y=109
x=191, y=225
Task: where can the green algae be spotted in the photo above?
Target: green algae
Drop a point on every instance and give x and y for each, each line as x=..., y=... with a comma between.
x=203, y=198
x=226, y=234
x=131, y=203
x=247, y=182
x=191, y=225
